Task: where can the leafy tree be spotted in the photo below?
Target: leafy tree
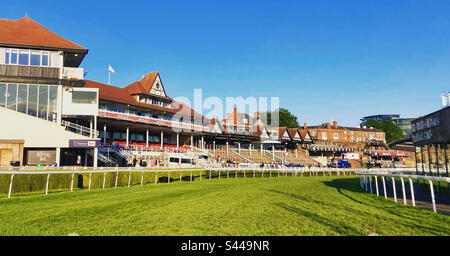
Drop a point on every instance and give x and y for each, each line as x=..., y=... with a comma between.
x=285, y=118
x=392, y=131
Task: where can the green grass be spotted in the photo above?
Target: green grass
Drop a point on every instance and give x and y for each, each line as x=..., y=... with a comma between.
x=282, y=206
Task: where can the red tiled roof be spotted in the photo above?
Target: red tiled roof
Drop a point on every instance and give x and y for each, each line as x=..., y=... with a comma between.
x=185, y=110
x=121, y=95
x=145, y=85
x=292, y=132
x=28, y=32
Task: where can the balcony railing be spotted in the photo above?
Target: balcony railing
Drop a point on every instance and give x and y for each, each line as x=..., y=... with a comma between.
x=28, y=71
x=72, y=73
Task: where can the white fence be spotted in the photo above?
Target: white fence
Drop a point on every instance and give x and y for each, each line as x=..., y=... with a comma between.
x=246, y=172
x=367, y=184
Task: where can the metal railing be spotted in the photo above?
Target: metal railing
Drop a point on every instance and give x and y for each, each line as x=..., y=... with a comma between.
x=242, y=171
x=368, y=185
x=76, y=127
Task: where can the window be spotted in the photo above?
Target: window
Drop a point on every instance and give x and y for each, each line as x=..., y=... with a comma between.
x=43, y=101
x=32, y=100
x=24, y=58
x=52, y=100
x=2, y=95
x=324, y=135
x=22, y=98
x=11, y=96
x=35, y=59
x=27, y=57
x=84, y=97
x=335, y=136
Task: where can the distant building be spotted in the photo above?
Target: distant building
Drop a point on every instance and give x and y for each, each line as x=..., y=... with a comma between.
x=403, y=123
x=445, y=99
x=339, y=134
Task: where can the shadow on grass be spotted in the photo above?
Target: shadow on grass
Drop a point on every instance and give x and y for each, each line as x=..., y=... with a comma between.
x=340, y=228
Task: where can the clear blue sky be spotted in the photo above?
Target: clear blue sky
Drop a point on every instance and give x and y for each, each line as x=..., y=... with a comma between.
x=326, y=60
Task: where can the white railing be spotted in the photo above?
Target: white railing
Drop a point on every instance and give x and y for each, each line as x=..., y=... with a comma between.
x=366, y=184
x=68, y=125
x=72, y=73
x=269, y=172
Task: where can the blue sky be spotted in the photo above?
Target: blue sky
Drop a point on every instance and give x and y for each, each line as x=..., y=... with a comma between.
x=326, y=60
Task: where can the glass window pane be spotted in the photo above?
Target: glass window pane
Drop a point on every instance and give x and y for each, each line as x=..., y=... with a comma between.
x=2, y=95
x=22, y=98
x=45, y=59
x=7, y=57
x=32, y=99
x=13, y=57
x=23, y=58
x=35, y=59
x=43, y=100
x=52, y=103
x=11, y=96
x=84, y=97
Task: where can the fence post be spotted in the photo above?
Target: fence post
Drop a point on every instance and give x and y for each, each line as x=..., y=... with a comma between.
x=219, y=174
x=432, y=195
x=90, y=178
x=181, y=173
x=129, y=180
x=142, y=178
x=384, y=187
x=262, y=174
x=117, y=177
x=403, y=190
x=10, y=185
x=370, y=184
x=270, y=174
x=156, y=177
x=235, y=174
x=413, y=199
x=365, y=182
x=244, y=173
x=46, y=186
x=200, y=175
x=71, y=183
x=168, y=179
x=393, y=189
x=209, y=174
x=191, y=175
x=376, y=185
x=104, y=179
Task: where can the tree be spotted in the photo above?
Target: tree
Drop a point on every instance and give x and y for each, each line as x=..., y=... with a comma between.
x=286, y=118
x=391, y=130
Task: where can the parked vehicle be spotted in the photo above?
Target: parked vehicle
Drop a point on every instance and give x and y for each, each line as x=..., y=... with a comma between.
x=343, y=164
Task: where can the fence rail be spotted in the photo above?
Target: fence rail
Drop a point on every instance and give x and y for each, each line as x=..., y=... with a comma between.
x=241, y=171
x=366, y=183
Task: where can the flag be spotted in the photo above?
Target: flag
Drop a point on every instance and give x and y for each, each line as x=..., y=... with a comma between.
x=110, y=69
x=85, y=73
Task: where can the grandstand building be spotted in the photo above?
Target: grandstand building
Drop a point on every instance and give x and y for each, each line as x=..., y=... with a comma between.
x=41, y=85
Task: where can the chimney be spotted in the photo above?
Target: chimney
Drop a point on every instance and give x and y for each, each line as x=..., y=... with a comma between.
x=256, y=115
x=328, y=125
x=213, y=121
x=304, y=126
x=335, y=125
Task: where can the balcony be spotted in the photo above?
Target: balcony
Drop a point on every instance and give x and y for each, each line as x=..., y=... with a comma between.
x=41, y=75
x=72, y=73
x=28, y=72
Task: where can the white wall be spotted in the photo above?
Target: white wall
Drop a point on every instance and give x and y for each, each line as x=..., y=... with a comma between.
x=69, y=108
x=34, y=131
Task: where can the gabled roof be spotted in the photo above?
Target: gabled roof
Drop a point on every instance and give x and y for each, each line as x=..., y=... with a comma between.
x=293, y=132
x=144, y=86
x=27, y=32
x=305, y=135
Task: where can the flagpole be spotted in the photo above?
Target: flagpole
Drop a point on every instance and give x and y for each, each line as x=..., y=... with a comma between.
x=109, y=77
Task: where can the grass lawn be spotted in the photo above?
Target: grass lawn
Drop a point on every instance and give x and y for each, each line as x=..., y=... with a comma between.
x=282, y=206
